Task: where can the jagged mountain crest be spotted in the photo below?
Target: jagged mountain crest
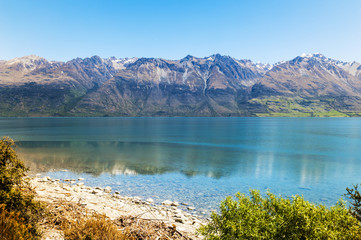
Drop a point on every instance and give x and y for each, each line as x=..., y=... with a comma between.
x=209, y=86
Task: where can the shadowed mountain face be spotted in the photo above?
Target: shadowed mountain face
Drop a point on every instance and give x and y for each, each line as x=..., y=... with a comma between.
x=309, y=85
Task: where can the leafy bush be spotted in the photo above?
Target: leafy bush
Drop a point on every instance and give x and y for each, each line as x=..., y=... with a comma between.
x=355, y=196
x=12, y=170
x=272, y=217
x=97, y=227
x=15, y=192
x=12, y=226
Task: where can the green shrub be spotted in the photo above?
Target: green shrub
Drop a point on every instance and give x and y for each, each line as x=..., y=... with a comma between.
x=12, y=170
x=355, y=196
x=272, y=217
x=16, y=193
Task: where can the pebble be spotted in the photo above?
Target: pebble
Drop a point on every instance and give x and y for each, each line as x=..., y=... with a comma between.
x=108, y=189
x=44, y=179
x=167, y=203
x=80, y=179
x=96, y=191
x=175, y=204
x=84, y=196
x=179, y=219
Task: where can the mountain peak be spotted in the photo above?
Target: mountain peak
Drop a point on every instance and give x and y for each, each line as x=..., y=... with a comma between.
x=313, y=55
x=29, y=58
x=27, y=63
x=187, y=58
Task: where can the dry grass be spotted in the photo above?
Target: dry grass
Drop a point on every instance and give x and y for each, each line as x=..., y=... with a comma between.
x=149, y=229
x=96, y=227
x=12, y=226
x=78, y=223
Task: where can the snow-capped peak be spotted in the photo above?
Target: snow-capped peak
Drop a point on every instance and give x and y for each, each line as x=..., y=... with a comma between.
x=27, y=63
x=313, y=55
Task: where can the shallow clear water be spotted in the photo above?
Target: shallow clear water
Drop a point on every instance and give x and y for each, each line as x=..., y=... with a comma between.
x=196, y=160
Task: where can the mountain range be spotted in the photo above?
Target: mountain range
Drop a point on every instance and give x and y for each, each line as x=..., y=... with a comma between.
x=308, y=85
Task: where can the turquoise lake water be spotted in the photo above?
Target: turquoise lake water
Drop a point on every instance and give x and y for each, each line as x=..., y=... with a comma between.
x=196, y=160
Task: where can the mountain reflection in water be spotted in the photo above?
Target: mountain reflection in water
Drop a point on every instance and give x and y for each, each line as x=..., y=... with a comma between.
x=198, y=160
x=157, y=158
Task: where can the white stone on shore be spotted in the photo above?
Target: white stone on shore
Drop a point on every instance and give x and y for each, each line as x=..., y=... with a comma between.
x=137, y=200
x=191, y=208
x=175, y=204
x=95, y=199
x=167, y=203
x=67, y=188
x=80, y=179
x=44, y=179
x=108, y=189
x=96, y=191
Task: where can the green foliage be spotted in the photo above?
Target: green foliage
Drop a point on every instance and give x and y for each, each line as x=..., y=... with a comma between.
x=272, y=217
x=15, y=192
x=297, y=107
x=12, y=170
x=355, y=196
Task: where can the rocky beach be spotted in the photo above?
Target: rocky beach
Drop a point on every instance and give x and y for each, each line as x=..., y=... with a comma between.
x=104, y=201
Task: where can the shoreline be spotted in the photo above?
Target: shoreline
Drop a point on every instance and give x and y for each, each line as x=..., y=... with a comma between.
x=112, y=204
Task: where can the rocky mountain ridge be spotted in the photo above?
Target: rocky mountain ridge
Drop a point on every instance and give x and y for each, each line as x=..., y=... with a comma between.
x=308, y=85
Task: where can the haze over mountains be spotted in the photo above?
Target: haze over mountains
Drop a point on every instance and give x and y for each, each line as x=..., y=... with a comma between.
x=308, y=85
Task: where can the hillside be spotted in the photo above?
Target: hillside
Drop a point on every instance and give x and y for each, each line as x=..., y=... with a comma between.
x=308, y=85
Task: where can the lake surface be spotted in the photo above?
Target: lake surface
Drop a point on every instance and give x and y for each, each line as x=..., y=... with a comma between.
x=196, y=160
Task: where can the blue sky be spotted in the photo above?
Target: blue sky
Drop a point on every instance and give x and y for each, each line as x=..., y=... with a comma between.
x=260, y=30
